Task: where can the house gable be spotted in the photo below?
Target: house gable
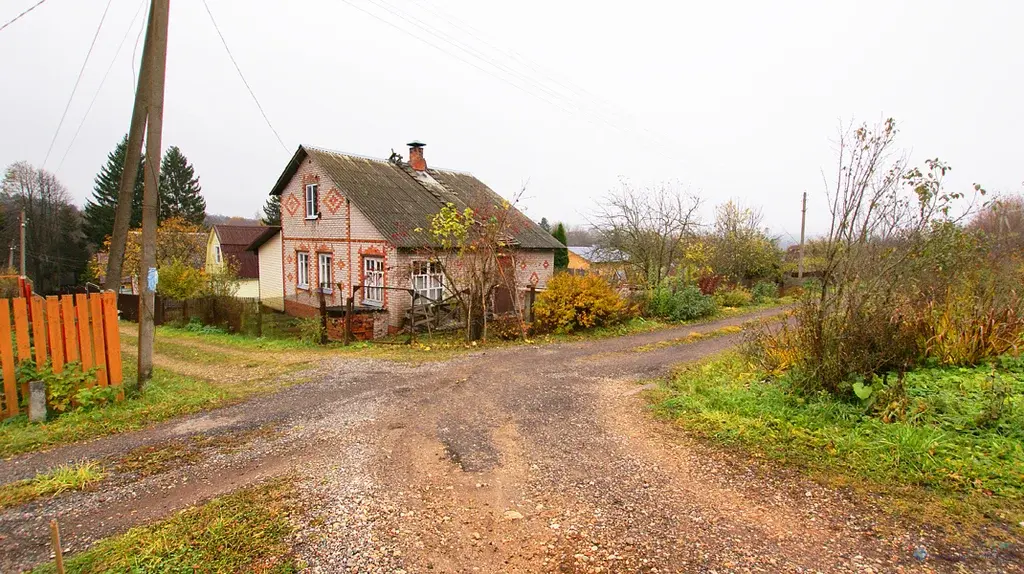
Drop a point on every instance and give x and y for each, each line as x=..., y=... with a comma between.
x=396, y=199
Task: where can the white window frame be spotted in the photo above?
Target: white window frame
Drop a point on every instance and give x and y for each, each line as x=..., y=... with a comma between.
x=373, y=281
x=302, y=269
x=217, y=256
x=324, y=262
x=312, y=201
x=428, y=279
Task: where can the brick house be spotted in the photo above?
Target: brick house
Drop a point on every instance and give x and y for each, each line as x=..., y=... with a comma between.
x=348, y=220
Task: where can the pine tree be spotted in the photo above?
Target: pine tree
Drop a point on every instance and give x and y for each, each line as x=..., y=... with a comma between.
x=272, y=210
x=180, y=192
x=99, y=210
x=544, y=224
x=561, y=255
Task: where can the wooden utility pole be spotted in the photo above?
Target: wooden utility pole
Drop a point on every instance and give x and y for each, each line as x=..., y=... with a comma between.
x=803, y=225
x=21, y=254
x=151, y=181
x=130, y=170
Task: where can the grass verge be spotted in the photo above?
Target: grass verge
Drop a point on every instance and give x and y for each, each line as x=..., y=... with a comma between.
x=60, y=480
x=166, y=395
x=245, y=531
x=937, y=462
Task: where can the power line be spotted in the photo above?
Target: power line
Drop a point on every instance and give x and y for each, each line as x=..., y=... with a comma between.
x=18, y=17
x=134, y=52
x=568, y=85
x=455, y=42
x=240, y=75
x=560, y=98
x=456, y=56
x=77, y=81
x=100, y=87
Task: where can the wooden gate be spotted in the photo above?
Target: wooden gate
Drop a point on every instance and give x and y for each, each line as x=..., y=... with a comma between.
x=74, y=328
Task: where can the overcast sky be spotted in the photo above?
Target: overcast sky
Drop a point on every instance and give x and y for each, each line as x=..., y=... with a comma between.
x=732, y=99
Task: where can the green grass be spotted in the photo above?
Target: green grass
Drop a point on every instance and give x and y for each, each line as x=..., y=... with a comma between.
x=167, y=395
x=236, y=341
x=938, y=461
x=57, y=481
x=245, y=531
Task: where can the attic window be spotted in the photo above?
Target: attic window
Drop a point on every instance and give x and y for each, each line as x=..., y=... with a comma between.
x=312, y=201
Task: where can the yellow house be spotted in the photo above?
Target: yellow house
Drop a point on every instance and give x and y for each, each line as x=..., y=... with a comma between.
x=227, y=246
x=584, y=260
x=577, y=263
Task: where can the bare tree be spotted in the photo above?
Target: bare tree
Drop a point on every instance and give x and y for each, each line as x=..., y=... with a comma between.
x=742, y=248
x=478, y=254
x=648, y=226
x=882, y=217
x=1002, y=221
x=55, y=249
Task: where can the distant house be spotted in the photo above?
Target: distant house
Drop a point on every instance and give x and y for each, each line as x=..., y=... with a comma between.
x=268, y=250
x=349, y=221
x=227, y=246
x=592, y=259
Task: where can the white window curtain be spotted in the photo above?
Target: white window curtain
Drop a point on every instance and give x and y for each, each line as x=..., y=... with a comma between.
x=324, y=267
x=303, y=269
x=373, y=281
x=312, y=207
x=427, y=279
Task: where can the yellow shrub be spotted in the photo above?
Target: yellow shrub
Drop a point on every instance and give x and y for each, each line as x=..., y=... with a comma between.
x=573, y=302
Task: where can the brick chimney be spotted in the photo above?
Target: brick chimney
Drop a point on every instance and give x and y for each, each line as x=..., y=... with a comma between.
x=416, y=160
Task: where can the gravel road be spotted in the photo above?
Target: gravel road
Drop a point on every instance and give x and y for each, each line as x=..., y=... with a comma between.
x=524, y=459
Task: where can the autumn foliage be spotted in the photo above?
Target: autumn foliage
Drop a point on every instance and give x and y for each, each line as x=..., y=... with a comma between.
x=574, y=302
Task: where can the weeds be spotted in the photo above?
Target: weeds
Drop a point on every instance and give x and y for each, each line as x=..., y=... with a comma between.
x=955, y=432
x=60, y=480
x=244, y=531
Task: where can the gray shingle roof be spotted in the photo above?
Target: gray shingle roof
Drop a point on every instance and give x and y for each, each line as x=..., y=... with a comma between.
x=398, y=200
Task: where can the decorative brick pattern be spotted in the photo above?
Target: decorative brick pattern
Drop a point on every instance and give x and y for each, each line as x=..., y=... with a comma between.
x=342, y=230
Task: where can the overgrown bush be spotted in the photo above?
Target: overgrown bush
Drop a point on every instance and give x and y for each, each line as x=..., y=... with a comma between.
x=311, y=330
x=64, y=388
x=765, y=291
x=976, y=318
x=677, y=302
x=195, y=325
x=507, y=327
x=574, y=302
x=735, y=297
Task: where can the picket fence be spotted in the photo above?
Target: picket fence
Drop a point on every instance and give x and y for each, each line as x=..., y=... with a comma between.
x=74, y=328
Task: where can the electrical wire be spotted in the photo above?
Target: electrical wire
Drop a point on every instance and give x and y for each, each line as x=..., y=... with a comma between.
x=100, y=87
x=561, y=100
x=18, y=17
x=456, y=56
x=77, y=81
x=135, y=50
x=242, y=76
x=568, y=85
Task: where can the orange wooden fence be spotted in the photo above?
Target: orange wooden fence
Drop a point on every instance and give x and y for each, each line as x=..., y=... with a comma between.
x=74, y=328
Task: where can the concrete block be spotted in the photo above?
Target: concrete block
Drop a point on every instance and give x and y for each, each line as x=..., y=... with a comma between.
x=37, y=401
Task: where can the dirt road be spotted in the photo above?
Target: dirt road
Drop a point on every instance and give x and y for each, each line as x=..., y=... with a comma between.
x=527, y=459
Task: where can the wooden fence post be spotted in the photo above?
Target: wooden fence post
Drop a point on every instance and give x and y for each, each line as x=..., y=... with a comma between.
x=22, y=336
x=323, y=317
x=67, y=315
x=7, y=357
x=56, y=338
x=113, y=341
x=348, y=319
x=533, y=298
x=96, y=307
x=58, y=552
x=82, y=308
x=39, y=330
